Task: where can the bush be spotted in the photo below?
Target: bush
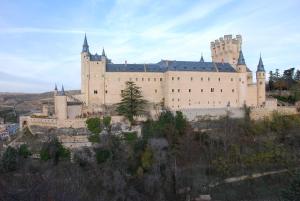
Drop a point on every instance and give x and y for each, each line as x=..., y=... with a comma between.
x=106, y=121
x=102, y=155
x=9, y=159
x=94, y=138
x=94, y=125
x=24, y=151
x=130, y=136
x=54, y=150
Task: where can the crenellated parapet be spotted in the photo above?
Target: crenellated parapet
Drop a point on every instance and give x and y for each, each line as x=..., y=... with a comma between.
x=226, y=49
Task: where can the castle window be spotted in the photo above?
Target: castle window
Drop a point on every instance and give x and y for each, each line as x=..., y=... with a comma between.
x=221, y=90
x=178, y=99
x=178, y=78
x=95, y=92
x=119, y=79
x=212, y=90
x=148, y=79
x=260, y=82
x=178, y=90
x=142, y=79
x=106, y=91
x=190, y=90
x=232, y=90
x=191, y=78
x=172, y=78
x=136, y=79
x=219, y=79
x=201, y=90
x=122, y=91
x=160, y=79
x=155, y=90
x=201, y=78
x=172, y=99
x=172, y=90
x=154, y=79
x=208, y=79
x=240, y=79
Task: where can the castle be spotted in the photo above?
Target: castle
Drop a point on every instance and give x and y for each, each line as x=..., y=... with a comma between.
x=178, y=84
x=189, y=86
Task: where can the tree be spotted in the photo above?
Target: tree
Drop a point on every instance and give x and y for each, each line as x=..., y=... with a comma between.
x=297, y=76
x=24, y=151
x=271, y=81
x=106, y=121
x=9, y=159
x=54, y=150
x=132, y=102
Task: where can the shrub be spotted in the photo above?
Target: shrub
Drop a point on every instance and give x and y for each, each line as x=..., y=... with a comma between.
x=9, y=159
x=130, y=136
x=102, y=155
x=106, y=121
x=24, y=151
x=94, y=125
x=54, y=150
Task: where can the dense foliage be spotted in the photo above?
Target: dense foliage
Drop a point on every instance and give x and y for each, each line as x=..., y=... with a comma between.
x=172, y=160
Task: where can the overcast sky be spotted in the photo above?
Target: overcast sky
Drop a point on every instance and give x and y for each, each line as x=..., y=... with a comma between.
x=41, y=40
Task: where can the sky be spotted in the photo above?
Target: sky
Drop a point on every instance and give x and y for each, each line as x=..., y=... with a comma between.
x=41, y=40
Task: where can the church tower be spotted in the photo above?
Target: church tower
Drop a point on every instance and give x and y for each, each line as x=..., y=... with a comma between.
x=261, y=83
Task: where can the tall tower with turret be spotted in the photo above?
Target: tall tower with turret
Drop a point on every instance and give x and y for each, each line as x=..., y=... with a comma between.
x=241, y=69
x=226, y=50
x=85, y=57
x=261, y=83
x=93, y=68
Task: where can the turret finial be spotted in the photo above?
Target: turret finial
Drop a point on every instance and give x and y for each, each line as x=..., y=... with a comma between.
x=85, y=47
x=201, y=60
x=103, y=52
x=260, y=66
x=62, y=90
x=241, y=60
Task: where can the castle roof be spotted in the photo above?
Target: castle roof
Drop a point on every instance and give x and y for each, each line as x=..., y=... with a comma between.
x=260, y=66
x=85, y=46
x=241, y=60
x=165, y=65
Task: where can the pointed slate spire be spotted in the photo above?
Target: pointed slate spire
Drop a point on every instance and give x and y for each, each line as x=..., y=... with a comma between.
x=260, y=66
x=241, y=60
x=103, y=52
x=55, y=88
x=85, y=46
x=62, y=90
x=201, y=60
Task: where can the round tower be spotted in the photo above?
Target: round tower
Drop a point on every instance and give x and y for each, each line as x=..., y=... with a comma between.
x=261, y=83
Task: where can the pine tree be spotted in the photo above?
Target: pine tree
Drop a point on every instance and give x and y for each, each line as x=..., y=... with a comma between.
x=132, y=102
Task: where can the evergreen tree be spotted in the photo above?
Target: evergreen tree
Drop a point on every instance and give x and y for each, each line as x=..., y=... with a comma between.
x=297, y=76
x=132, y=102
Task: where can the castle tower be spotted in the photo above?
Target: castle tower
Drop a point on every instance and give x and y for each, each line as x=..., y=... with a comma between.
x=241, y=68
x=226, y=50
x=85, y=58
x=261, y=83
x=61, y=105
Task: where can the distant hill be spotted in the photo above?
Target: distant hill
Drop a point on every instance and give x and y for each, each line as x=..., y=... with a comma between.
x=25, y=102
